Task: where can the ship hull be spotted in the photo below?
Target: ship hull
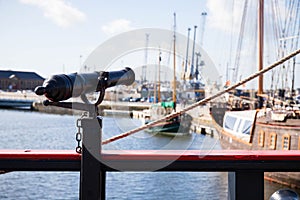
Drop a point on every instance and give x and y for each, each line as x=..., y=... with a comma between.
x=267, y=135
x=177, y=126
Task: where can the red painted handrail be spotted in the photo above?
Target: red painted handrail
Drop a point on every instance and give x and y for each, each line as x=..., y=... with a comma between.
x=184, y=155
x=39, y=154
x=196, y=155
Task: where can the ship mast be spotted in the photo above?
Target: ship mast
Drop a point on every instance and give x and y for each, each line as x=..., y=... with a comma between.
x=187, y=56
x=260, y=43
x=174, y=63
x=159, y=61
x=193, y=55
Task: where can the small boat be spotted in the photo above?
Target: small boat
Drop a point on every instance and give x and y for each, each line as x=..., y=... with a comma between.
x=179, y=125
x=175, y=126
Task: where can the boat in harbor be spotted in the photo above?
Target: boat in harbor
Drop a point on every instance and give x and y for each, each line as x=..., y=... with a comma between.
x=175, y=126
x=270, y=121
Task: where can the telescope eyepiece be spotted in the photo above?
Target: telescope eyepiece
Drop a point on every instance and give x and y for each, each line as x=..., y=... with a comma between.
x=40, y=90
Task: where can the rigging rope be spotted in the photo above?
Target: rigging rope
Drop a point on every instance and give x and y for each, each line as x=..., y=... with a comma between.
x=203, y=101
x=286, y=15
x=275, y=23
x=240, y=43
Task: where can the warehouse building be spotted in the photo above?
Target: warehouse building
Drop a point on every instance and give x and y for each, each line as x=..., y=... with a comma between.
x=19, y=80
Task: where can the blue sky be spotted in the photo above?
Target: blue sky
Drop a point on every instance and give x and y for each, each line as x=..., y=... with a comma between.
x=56, y=36
x=49, y=36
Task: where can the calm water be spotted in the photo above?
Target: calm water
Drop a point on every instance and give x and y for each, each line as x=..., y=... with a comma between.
x=32, y=130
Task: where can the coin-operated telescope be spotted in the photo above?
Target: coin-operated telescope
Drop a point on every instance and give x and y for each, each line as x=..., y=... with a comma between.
x=62, y=87
x=89, y=127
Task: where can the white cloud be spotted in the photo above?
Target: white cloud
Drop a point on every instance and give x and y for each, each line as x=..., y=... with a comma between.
x=60, y=12
x=224, y=15
x=116, y=26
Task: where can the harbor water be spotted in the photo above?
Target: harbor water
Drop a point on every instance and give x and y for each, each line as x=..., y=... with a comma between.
x=33, y=130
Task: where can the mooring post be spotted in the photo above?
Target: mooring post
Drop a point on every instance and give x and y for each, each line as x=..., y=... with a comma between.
x=246, y=185
x=92, y=178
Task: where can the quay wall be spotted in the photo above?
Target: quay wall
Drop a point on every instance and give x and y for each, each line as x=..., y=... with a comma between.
x=20, y=95
x=201, y=122
x=106, y=108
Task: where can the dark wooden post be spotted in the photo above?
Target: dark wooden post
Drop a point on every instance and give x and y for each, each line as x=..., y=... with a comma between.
x=246, y=185
x=92, y=178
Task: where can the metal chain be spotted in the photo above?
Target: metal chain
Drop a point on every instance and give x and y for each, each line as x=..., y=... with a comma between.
x=79, y=136
x=79, y=133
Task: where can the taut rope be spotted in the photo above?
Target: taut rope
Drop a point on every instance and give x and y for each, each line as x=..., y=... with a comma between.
x=203, y=101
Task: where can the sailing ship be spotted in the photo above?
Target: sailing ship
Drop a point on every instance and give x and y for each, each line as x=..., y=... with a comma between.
x=176, y=126
x=268, y=123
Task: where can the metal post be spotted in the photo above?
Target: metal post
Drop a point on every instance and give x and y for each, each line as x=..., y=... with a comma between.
x=246, y=185
x=92, y=178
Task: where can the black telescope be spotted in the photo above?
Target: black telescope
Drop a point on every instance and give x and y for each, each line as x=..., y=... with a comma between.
x=62, y=87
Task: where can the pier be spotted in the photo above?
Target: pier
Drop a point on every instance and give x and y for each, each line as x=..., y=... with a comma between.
x=23, y=99
x=20, y=99
x=201, y=123
x=124, y=109
x=16, y=103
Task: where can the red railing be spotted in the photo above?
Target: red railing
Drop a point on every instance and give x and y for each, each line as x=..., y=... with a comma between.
x=246, y=167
